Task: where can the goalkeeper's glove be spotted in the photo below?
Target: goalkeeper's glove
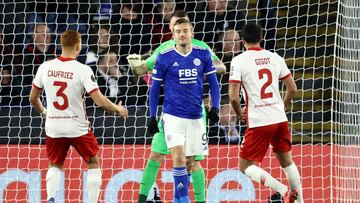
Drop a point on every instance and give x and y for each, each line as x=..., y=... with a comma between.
x=213, y=115
x=135, y=62
x=153, y=125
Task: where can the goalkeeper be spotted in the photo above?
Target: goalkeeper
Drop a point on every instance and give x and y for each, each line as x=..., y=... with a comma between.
x=158, y=146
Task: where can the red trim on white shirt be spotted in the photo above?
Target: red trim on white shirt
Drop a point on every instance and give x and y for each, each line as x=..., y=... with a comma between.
x=234, y=81
x=255, y=48
x=63, y=59
x=94, y=90
x=288, y=75
x=37, y=87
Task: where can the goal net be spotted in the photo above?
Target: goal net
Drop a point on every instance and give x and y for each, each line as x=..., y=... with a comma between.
x=318, y=39
x=346, y=114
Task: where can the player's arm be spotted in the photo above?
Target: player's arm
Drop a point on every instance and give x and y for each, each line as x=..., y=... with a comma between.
x=37, y=88
x=140, y=66
x=235, y=86
x=213, y=114
x=220, y=67
x=210, y=71
x=290, y=89
x=91, y=86
x=34, y=100
x=137, y=65
x=153, y=102
x=154, y=95
x=106, y=104
x=234, y=97
x=288, y=80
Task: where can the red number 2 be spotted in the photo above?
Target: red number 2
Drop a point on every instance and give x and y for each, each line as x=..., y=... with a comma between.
x=60, y=93
x=267, y=72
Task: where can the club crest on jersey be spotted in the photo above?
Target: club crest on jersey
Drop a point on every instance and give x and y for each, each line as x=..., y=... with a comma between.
x=197, y=62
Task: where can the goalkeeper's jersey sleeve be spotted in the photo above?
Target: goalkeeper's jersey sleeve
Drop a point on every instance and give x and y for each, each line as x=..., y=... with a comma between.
x=150, y=62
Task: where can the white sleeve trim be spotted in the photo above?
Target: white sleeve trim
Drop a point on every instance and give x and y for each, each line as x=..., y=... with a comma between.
x=158, y=79
x=208, y=73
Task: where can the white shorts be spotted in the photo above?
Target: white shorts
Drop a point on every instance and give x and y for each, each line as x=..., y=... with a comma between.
x=189, y=133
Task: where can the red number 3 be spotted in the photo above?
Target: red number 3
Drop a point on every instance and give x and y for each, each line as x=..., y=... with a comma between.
x=60, y=93
x=267, y=72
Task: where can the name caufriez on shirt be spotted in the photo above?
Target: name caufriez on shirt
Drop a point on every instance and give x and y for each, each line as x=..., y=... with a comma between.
x=60, y=74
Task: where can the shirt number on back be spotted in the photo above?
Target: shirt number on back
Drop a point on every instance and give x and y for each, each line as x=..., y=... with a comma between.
x=267, y=72
x=60, y=93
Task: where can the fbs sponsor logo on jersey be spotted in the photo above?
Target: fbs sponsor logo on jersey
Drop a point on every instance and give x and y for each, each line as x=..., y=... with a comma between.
x=188, y=76
x=186, y=73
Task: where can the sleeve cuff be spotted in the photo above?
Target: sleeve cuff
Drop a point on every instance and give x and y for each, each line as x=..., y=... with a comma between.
x=94, y=90
x=234, y=81
x=208, y=73
x=288, y=75
x=39, y=88
x=158, y=79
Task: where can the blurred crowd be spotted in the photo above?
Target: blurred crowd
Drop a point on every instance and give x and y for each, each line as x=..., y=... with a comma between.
x=111, y=30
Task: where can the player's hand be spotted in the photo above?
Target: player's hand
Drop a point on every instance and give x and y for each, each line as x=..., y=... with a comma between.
x=135, y=62
x=213, y=115
x=121, y=111
x=153, y=125
x=43, y=114
x=243, y=114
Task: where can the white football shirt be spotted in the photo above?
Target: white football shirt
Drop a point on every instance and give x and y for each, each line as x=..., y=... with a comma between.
x=259, y=72
x=65, y=81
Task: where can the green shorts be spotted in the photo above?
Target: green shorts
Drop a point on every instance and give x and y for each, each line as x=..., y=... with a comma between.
x=158, y=143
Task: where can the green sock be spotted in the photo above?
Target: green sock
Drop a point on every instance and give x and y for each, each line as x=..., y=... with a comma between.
x=198, y=178
x=148, y=178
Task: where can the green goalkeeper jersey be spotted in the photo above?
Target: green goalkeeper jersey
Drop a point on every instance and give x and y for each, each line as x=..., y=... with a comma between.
x=150, y=62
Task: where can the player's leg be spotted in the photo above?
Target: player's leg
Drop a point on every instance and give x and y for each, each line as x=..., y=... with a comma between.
x=196, y=143
x=197, y=171
x=190, y=161
x=149, y=176
x=52, y=181
x=198, y=177
x=174, y=130
x=158, y=151
x=282, y=148
x=253, y=149
x=94, y=179
x=88, y=148
x=56, y=149
x=181, y=193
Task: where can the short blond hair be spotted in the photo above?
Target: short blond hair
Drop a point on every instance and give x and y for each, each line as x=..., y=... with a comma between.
x=70, y=38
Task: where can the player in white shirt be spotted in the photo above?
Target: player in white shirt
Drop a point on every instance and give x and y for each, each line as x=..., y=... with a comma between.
x=65, y=82
x=259, y=71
